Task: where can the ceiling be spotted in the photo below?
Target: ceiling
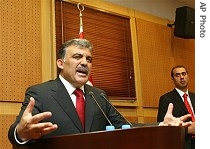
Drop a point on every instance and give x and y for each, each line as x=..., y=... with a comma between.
x=161, y=8
x=190, y=3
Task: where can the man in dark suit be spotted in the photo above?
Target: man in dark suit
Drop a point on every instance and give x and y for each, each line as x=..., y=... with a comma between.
x=180, y=77
x=50, y=108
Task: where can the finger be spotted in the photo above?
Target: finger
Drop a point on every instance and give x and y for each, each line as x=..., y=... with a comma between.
x=30, y=106
x=170, y=109
x=41, y=126
x=185, y=117
x=41, y=116
x=41, y=129
x=186, y=124
x=49, y=129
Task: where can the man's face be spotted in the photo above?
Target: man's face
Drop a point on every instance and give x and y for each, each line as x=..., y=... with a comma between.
x=180, y=78
x=76, y=66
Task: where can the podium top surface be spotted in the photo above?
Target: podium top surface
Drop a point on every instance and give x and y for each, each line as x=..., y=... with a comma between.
x=159, y=137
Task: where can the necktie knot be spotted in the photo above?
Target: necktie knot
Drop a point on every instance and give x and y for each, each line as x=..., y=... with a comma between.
x=185, y=96
x=78, y=93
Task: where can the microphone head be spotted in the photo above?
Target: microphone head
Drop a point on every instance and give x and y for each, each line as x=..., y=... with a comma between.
x=109, y=128
x=91, y=93
x=126, y=126
x=102, y=95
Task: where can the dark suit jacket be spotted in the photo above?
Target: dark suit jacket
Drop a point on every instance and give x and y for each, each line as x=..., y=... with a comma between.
x=178, y=110
x=52, y=96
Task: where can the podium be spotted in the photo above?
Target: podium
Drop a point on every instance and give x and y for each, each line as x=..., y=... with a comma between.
x=158, y=137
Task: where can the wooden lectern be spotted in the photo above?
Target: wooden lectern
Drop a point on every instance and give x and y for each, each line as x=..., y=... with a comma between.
x=158, y=137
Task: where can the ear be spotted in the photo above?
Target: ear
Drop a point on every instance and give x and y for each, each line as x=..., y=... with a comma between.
x=60, y=63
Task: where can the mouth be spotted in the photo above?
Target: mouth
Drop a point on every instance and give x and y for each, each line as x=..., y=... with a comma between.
x=182, y=82
x=82, y=70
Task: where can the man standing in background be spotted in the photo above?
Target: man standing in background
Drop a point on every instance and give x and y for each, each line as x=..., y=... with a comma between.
x=183, y=101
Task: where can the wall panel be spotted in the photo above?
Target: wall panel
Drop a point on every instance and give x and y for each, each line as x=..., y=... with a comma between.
x=156, y=59
x=159, y=51
x=5, y=122
x=20, y=44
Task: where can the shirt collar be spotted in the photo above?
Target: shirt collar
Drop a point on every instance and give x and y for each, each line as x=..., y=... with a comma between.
x=68, y=85
x=181, y=93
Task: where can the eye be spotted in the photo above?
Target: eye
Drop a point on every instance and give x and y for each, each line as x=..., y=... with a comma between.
x=177, y=75
x=184, y=73
x=89, y=59
x=77, y=56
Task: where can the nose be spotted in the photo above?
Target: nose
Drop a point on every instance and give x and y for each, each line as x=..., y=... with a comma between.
x=181, y=76
x=84, y=61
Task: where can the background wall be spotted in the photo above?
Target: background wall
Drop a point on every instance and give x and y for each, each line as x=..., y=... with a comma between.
x=161, y=8
x=28, y=56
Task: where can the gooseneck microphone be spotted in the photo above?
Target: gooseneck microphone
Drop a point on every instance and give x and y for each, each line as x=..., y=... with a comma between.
x=104, y=96
x=92, y=95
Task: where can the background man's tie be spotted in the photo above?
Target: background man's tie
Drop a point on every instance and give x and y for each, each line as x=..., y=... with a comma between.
x=80, y=105
x=189, y=109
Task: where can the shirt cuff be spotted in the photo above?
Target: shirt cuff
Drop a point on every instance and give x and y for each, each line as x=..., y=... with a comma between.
x=160, y=124
x=16, y=138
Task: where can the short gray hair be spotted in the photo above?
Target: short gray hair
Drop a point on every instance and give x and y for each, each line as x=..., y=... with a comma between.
x=79, y=42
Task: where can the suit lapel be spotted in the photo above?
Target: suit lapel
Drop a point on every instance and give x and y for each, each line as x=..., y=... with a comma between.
x=192, y=98
x=60, y=94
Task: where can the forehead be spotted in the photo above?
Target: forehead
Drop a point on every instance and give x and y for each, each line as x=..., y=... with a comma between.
x=77, y=49
x=179, y=70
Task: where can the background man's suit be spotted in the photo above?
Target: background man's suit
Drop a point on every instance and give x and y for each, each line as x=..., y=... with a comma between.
x=178, y=110
x=52, y=96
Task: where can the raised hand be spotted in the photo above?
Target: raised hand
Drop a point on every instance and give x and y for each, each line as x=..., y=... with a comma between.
x=30, y=126
x=170, y=120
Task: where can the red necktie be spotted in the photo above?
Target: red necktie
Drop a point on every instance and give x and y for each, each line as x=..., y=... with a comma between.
x=80, y=105
x=188, y=107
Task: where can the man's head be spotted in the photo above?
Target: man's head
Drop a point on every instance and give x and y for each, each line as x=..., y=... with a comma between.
x=179, y=75
x=75, y=61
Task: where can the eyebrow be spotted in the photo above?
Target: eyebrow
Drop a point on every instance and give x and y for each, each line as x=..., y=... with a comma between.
x=180, y=73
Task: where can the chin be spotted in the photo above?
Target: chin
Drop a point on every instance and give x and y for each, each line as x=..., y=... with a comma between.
x=82, y=81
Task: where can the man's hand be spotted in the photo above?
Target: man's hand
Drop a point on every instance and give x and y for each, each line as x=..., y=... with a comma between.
x=170, y=120
x=191, y=129
x=29, y=126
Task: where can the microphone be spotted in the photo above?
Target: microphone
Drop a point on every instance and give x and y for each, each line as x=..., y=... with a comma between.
x=92, y=95
x=103, y=96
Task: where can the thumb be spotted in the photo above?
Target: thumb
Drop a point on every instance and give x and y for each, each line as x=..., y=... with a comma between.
x=170, y=108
